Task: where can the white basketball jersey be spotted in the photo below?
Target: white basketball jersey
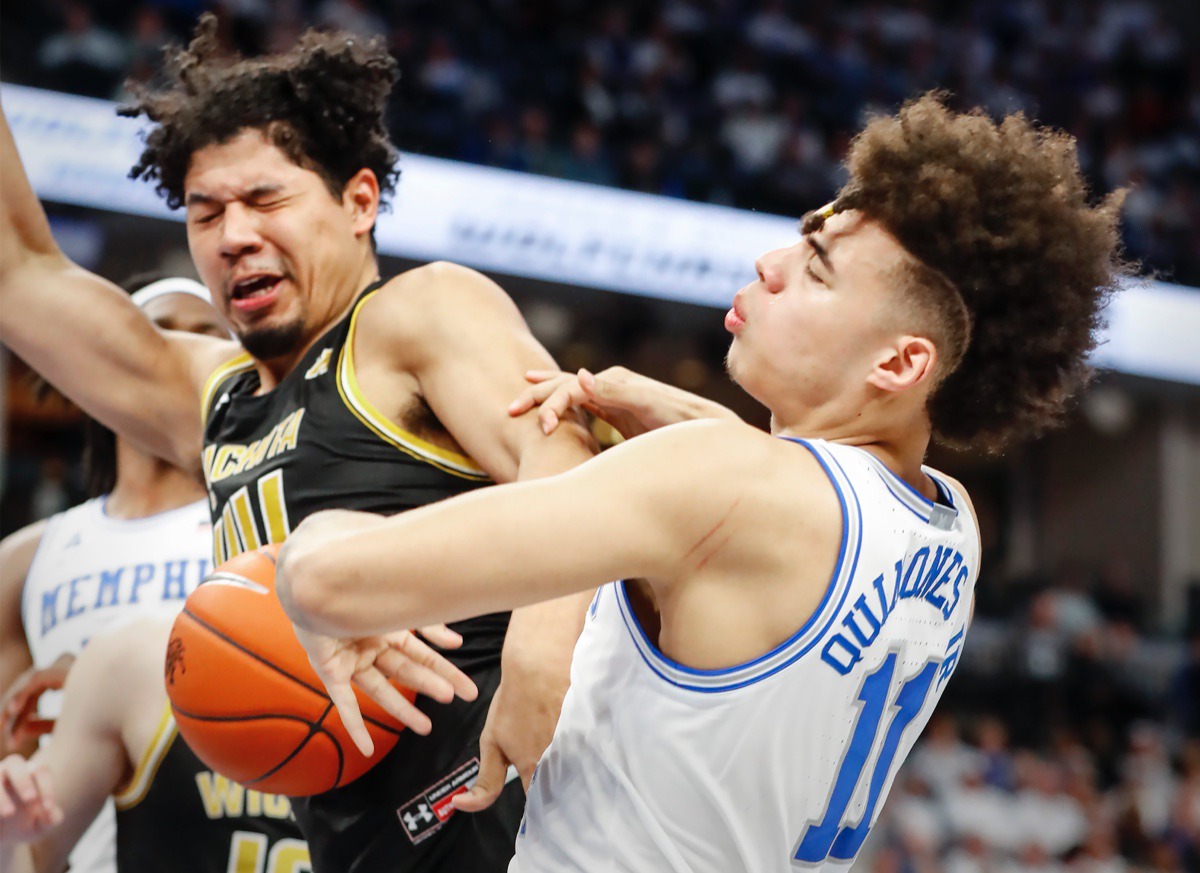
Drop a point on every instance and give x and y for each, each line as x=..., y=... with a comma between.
x=93, y=573
x=780, y=764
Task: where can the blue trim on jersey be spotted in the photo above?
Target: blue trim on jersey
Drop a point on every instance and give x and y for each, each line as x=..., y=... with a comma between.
x=944, y=490
x=791, y=649
x=908, y=496
x=924, y=516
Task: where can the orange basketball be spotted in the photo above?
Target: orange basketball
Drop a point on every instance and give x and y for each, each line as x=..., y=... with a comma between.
x=245, y=697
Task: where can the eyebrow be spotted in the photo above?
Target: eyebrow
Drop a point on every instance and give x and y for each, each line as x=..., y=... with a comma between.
x=197, y=199
x=822, y=253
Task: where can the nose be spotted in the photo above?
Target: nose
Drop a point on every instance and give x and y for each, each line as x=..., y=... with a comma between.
x=769, y=270
x=239, y=232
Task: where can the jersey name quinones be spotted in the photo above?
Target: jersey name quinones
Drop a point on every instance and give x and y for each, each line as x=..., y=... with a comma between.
x=935, y=576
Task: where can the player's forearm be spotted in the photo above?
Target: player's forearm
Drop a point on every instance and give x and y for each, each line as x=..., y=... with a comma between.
x=568, y=447
x=543, y=635
x=15, y=858
x=492, y=550
x=24, y=230
x=671, y=405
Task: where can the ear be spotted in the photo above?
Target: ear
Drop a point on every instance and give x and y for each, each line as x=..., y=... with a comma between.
x=360, y=198
x=906, y=364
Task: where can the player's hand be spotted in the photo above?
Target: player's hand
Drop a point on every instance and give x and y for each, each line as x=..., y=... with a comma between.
x=371, y=662
x=535, y=671
x=27, y=805
x=630, y=402
x=513, y=736
x=20, y=702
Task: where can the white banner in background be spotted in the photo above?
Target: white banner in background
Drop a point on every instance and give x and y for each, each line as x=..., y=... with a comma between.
x=78, y=151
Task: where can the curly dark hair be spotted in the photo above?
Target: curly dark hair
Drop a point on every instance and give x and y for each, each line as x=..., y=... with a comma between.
x=997, y=214
x=321, y=103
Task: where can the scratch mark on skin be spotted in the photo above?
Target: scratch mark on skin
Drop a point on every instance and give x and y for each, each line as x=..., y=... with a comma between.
x=714, y=550
x=716, y=527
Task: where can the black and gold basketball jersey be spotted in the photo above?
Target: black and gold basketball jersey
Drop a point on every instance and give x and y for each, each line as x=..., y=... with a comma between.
x=315, y=442
x=177, y=816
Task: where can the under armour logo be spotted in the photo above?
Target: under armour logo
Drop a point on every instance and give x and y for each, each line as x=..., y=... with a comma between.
x=423, y=816
x=74, y=541
x=221, y=401
x=320, y=366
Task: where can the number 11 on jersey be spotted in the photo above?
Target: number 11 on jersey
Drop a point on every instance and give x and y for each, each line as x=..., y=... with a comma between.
x=830, y=838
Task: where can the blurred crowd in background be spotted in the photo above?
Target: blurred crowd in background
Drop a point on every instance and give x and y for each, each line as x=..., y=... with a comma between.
x=745, y=102
x=1068, y=742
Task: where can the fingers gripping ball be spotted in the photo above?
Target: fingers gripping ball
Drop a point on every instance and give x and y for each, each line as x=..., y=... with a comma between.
x=245, y=697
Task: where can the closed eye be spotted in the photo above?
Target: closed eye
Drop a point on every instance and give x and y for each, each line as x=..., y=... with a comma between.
x=809, y=270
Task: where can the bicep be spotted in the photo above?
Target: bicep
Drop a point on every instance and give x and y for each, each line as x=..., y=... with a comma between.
x=475, y=365
x=85, y=336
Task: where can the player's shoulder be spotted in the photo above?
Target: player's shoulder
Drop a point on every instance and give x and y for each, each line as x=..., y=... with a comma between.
x=425, y=295
x=206, y=356
x=18, y=548
x=724, y=443
x=727, y=456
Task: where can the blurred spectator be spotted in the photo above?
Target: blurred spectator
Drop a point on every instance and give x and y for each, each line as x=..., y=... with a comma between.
x=83, y=57
x=943, y=760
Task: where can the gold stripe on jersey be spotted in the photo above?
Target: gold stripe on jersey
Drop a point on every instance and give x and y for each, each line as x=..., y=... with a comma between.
x=238, y=364
x=131, y=795
x=447, y=461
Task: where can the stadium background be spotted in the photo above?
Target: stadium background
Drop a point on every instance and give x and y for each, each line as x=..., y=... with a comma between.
x=1069, y=739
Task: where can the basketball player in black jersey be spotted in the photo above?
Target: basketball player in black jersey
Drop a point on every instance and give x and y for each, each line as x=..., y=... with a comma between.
x=116, y=736
x=357, y=393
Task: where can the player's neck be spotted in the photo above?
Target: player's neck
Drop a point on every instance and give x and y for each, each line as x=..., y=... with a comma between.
x=272, y=372
x=147, y=486
x=899, y=442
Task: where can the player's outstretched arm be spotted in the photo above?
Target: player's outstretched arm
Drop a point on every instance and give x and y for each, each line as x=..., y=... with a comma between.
x=16, y=555
x=47, y=802
x=85, y=336
x=632, y=403
x=636, y=511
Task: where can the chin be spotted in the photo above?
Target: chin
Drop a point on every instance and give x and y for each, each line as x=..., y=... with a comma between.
x=732, y=367
x=277, y=341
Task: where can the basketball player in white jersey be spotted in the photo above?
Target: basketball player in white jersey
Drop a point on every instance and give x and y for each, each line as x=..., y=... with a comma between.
x=138, y=549
x=792, y=604
x=116, y=737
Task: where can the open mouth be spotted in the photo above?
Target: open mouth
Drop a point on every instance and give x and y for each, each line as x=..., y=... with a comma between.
x=255, y=292
x=254, y=286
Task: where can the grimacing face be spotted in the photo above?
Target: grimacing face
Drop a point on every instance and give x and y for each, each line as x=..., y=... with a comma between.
x=270, y=242
x=810, y=329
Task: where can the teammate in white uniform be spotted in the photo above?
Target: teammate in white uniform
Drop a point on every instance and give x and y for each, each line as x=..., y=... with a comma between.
x=795, y=602
x=136, y=551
